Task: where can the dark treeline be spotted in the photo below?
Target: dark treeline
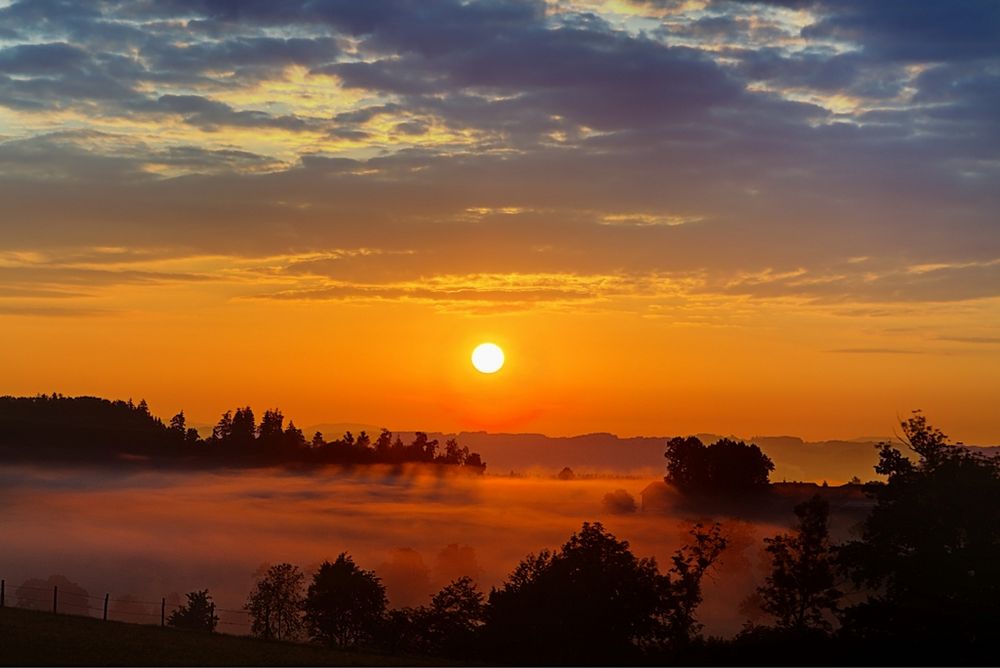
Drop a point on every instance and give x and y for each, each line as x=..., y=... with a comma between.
x=90, y=429
x=590, y=601
x=918, y=585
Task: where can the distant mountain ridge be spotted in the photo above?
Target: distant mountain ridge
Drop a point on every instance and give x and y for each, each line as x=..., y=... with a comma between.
x=795, y=459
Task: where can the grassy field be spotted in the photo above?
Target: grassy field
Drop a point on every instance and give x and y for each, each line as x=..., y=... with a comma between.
x=29, y=638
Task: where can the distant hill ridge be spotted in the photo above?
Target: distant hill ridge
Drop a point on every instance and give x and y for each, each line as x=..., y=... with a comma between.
x=836, y=461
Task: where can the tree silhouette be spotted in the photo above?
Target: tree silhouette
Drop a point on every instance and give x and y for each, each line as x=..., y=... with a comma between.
x=293, y=438
x=593, y=601
x=244, y=428
x=363, y=441
x=178, y=428
x=383, y=445
x=687, y=466
x=724, y=468
x=399, y=451
x=271, y=428
x=223, y=429
x=454, y=453
x=929, y=553
x=275, y=604
x=690, y=563
x=422, y=449
x=344, y=604
x=474, y=461
x=197, y=615
x=453, y=620
x=799, y=591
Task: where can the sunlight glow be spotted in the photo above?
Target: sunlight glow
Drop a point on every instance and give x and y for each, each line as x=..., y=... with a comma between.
x=487, y=358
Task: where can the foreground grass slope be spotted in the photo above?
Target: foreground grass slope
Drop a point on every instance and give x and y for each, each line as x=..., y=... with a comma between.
x=29, y=638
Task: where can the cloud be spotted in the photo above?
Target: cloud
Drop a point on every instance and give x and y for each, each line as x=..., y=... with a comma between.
x=33, y=59
x=115, y=160
x=481, y=293
x=36, y=285
x=246, y=58
x=935, y=283
x=875, y=351
x=923, y=31
x=61, y=76
x=211, y=115
x=51, y=311
x=677, y=148
x=983, y=340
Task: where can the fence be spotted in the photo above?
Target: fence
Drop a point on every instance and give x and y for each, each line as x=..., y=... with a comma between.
x=76, y=601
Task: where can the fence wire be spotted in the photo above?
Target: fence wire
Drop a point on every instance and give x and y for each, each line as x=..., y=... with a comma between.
x=78, y=602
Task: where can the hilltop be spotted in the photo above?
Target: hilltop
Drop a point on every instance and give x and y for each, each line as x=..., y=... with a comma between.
x=32, y=638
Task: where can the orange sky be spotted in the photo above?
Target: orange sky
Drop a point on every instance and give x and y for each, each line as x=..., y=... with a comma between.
x=674, y=217
x=569, y=370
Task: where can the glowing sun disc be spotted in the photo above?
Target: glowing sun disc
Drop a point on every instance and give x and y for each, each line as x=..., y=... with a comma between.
x=487, y=358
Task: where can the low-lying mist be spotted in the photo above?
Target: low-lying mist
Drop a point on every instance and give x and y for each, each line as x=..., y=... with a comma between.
x=147, y=535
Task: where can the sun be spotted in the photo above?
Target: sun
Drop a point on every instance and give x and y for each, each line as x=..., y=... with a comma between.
x=487, y=358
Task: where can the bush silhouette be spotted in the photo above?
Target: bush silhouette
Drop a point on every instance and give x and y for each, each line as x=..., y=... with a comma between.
x=619, y=502
x=197, y=615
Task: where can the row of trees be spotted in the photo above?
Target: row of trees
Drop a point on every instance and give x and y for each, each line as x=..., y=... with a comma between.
x=92, y=429
x=239, y=433
x=78, y=428
x=591, y=600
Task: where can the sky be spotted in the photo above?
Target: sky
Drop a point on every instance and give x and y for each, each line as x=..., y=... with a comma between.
x=769, y=217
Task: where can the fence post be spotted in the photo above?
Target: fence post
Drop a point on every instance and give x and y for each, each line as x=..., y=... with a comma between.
x=163, y=611
x=106, y=606
x=55, y=599
x=3, y=588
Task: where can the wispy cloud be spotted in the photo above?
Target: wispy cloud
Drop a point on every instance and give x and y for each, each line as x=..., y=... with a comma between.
x=874, y=351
